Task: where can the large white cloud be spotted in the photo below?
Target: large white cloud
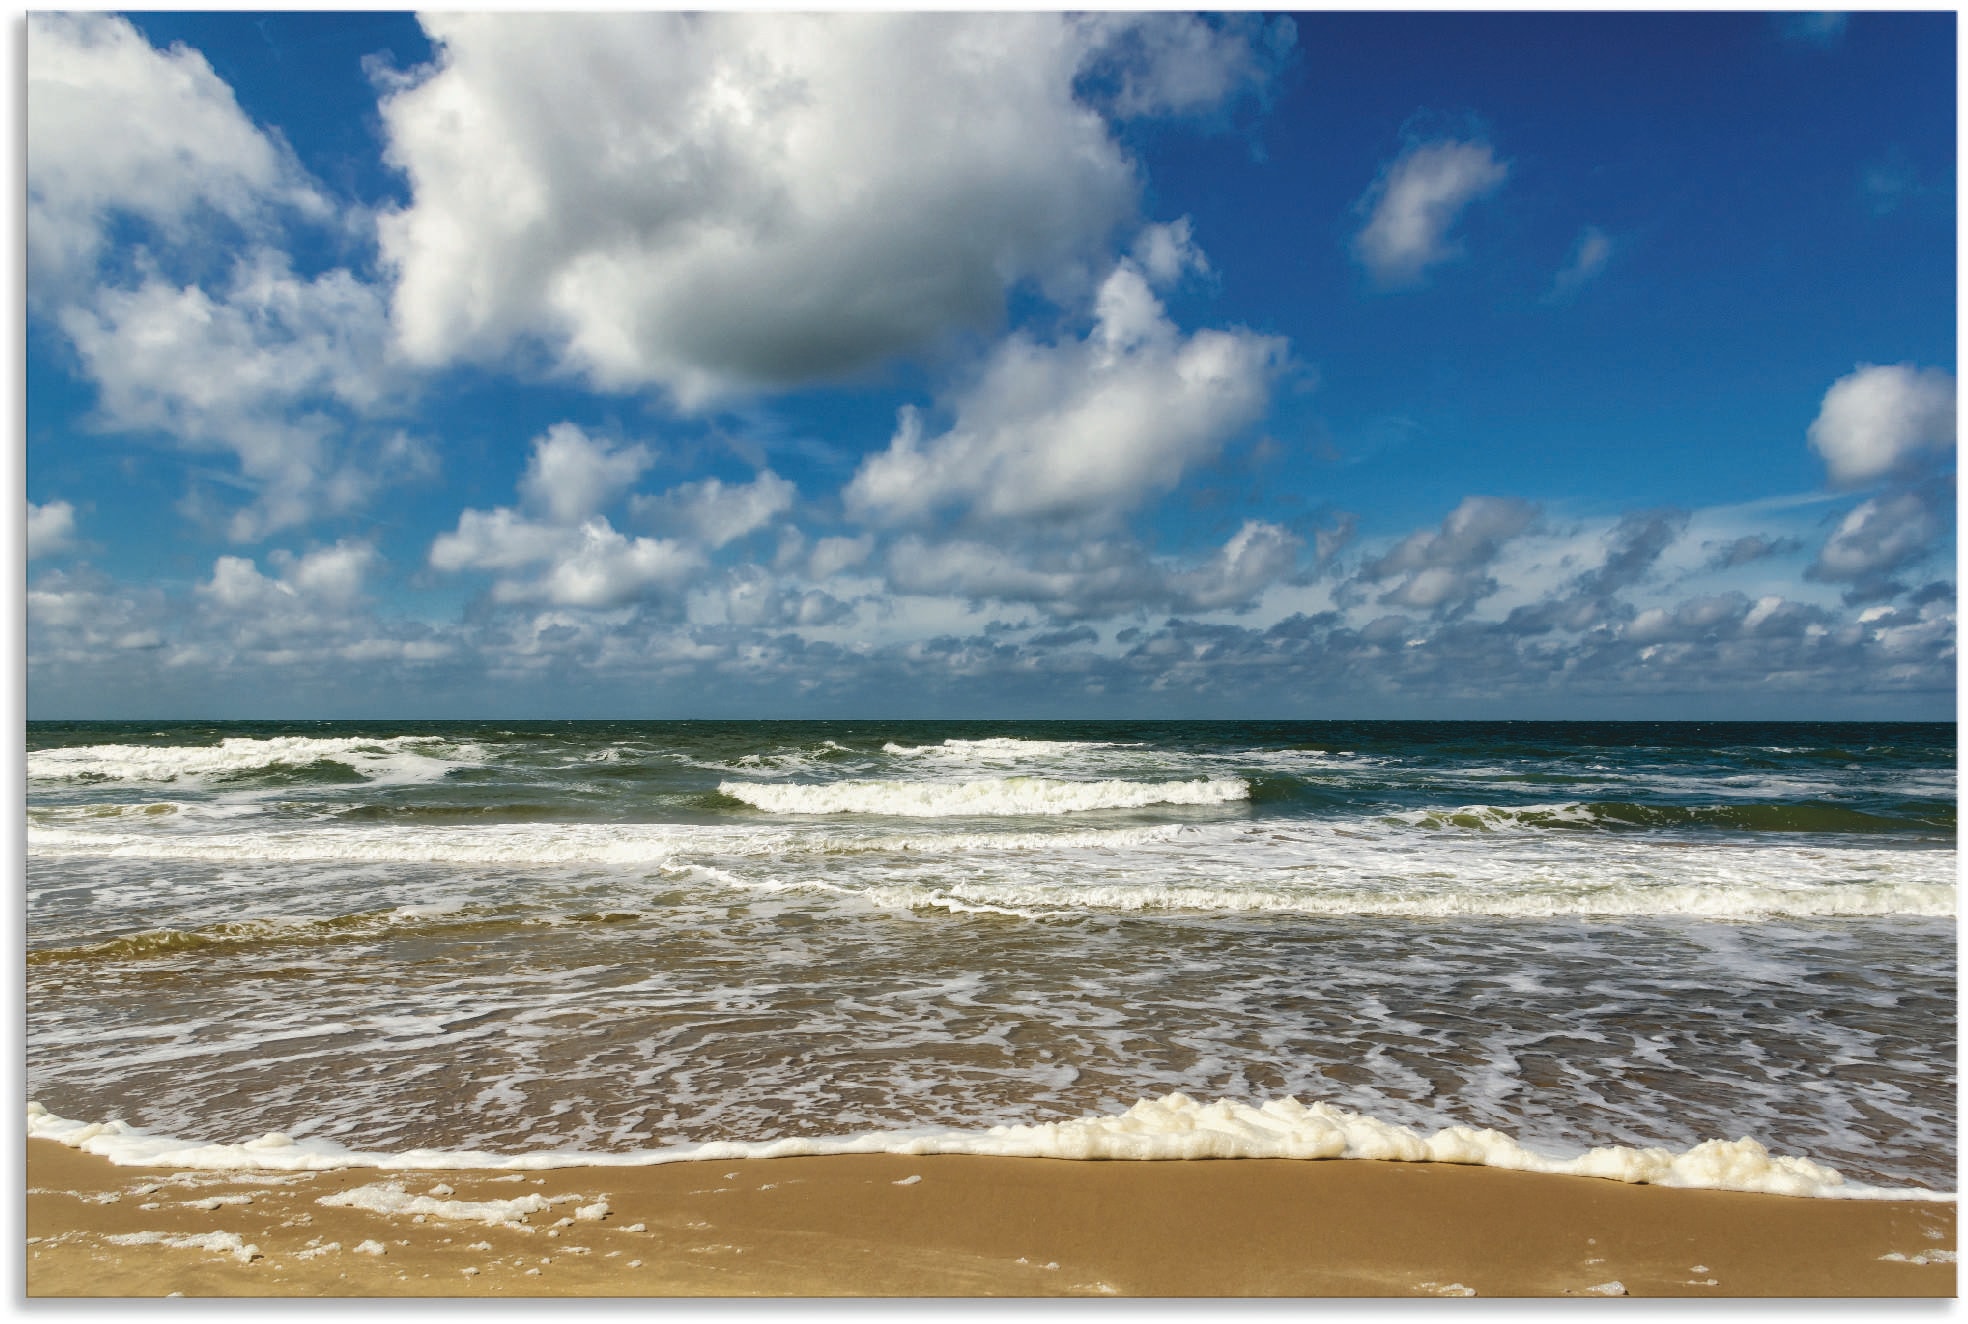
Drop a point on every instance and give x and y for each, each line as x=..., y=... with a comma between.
x=1882, y=421
x=1079, y=430
x=195, y=325
x=718, y=201
x=271, y=368
x=117, y=126
x=1416, y=200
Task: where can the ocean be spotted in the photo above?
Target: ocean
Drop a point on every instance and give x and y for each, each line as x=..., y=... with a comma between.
x=634, y=941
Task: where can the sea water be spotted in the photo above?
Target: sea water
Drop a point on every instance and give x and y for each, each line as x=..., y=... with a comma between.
x=1554, y=946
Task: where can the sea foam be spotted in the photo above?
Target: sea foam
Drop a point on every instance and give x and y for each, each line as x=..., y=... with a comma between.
x=986, y=797
x=392, y=759
x=1174, y=1126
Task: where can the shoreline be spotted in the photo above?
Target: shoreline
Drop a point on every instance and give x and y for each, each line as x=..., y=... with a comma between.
x=950, y=1225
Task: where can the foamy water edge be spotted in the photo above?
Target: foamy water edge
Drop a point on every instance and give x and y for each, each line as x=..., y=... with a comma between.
x=1174, y=1126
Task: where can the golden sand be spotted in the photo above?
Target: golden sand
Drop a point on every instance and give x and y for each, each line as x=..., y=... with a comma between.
x=883, y=1225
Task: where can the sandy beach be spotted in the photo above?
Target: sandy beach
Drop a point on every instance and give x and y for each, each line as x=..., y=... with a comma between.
x=884, y=1225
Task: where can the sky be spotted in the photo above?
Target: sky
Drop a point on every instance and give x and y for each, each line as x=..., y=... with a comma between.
x=1395, y=365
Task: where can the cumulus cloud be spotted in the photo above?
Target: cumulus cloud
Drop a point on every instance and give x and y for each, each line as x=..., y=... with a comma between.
x=115, y=126
x=1180, y=63
x=749, y=596
x=1082, y=430
x=571, y=476
x=327, y=577
x=1590, y=253
x=274, y=369
x=193, y=324
x=80, y=619
x=1446, y=570
x=717, y=202
x=1257, y=555
x=599, y=567
x=1883, y=421
x=50, y=528
x=714, y=512
x=1416, y=201
x=1878, y=538
x=562, y=551
x=589, y=565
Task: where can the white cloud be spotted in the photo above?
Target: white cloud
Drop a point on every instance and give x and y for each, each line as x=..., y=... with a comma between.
x=114, y=125
x=716, y=202
x=830, y=556
x=1448, y=568
x=497, y=539
x=571, y=476
x=330, y=574
x=1257, y=555
x=591, y=565
x=325, y=579
x=50, y=528
x=1590, y=253
x=750, y=597
x=1082, y=430
x=1415, y=202
x=269, y=370
x=1878, y=537
x=1881, y=421
x=599, y=567
x=1165, y=252
x=714, y=512
x=1179, y=63
x=274, y=367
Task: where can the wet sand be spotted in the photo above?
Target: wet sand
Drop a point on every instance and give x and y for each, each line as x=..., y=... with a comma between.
x=884, y=1225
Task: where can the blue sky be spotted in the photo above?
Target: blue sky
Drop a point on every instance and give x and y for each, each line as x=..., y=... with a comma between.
x=1384, y=365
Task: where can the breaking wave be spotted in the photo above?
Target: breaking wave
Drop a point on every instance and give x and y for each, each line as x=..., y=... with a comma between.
x=394, y=759
x=987, y=797
x=1174, y=1126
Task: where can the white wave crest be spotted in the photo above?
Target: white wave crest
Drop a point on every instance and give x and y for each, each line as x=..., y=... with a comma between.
x=1172, y=1127
x=999, y=749
x=990, y=797
x=396, y=759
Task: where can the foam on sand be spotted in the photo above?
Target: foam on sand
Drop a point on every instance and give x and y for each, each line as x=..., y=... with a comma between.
x=1172, y=1127
x=219, y=1243
x=987, y=797
x=392, y=1198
